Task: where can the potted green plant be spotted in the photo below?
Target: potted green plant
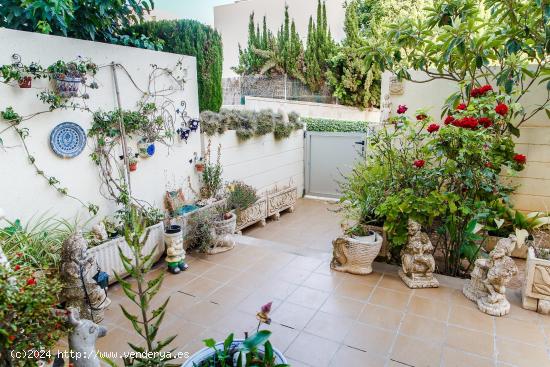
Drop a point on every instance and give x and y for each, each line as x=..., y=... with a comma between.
x=250, y=209
x=132, y=164
x=68, y=76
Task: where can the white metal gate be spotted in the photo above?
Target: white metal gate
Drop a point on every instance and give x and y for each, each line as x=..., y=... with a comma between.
x=329, y=157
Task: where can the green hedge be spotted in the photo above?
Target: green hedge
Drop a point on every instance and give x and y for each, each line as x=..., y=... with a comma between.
x=189, y=37
x=326, y=125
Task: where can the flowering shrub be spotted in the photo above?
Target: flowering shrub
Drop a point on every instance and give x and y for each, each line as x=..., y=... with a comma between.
x=26, y=319
x=446, y=176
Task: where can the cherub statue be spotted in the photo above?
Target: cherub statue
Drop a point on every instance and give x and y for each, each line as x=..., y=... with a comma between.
x=500, y=270
x=80, y=290
x=418, y=264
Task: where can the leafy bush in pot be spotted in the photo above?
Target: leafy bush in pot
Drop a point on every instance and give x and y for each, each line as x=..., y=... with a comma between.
x=241, y=195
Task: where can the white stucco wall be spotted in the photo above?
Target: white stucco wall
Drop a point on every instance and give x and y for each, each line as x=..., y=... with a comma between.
x=22, y=192
x=533, y=193
x=312, y=109
x=231, y=21
x=262, y=162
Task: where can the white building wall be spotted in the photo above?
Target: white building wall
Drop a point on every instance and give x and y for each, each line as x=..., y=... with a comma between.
x=22, y=192
x=231, y=21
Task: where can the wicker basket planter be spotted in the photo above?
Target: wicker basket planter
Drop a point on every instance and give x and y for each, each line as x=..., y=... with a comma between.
x=108, y=257
x=536, y=287
x=251, y=215
x=280, y=201
x=355, y=255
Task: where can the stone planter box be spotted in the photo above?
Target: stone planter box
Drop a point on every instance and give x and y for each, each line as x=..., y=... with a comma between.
x=108, y=257
x=280, y=201
x=183, y=220
x=536, y=287
x=251, y=215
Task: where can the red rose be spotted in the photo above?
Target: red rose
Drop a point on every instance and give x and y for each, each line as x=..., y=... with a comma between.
x=433, y=128
x=486, y=88
x=401, y=109
x=501, y=109
x=421, y=117
x=520, y=158
x=19, y=254
x=476, y=92
x=468, y=122
x=31, y=281
x=16, y=267
x=419, y=163
x=461, y=107
x=485, y=121
x=449, y=120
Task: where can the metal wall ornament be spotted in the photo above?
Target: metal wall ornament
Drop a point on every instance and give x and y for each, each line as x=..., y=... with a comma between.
x=188, y=124
x=68, y=140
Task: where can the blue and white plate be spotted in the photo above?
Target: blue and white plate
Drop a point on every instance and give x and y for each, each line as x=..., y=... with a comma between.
x=68, y=140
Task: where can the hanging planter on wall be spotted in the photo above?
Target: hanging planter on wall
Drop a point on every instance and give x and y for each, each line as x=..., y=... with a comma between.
x=67, y=86
x=25, y=82
x=132, y=166
x=146, y=148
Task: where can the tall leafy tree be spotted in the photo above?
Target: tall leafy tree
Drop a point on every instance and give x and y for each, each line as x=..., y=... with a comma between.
x=96, y=20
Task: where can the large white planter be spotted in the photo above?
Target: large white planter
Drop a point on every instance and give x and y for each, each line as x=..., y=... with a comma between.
x=536, y=287
x=257, y=212
x=280, y=201
x=108, y=257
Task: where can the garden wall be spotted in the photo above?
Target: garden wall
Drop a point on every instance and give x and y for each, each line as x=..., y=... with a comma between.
x=22, y=192
x=263, y=161
x=312, y=109
x=533, y=193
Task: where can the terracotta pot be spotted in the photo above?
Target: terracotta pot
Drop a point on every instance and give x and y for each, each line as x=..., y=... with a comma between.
x=199, y=167
x=25, y=82
x=132, y=167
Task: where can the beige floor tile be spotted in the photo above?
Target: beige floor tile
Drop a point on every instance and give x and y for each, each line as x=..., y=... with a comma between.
x=281, y=336
x=254, y=302
x=205, y=313
x=389, y=298
x=198, y=267
x=184, y=331
x=371, y=279
x=200, y=287
x=415, y=352
x=276, y=288
x=236, y=322
x=379, y=316
x=295, y=363
x=329, y=326
x=423, y=328
x=312, y=349
x=470, y=341
x=458, y=299
x=370, y=339
x=322, y=282
x=248, y=280
x=429, y=308
x=178, y=304
x=308, y=297
x=523, y=331
x=521, y=355
x=350, y=357
x=441, y=294
x=220, y=273
x=305, y=263
x=292, y=315
x=293, y=275
x=394, y=283
x=456, y=358
x=354, y=289
x=471, y=319
x=229, y=296
x=341, y=306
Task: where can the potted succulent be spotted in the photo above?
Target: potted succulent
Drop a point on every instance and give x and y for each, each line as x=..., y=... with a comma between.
x=249, y=208
x=254, y=350
x=132, y=164
x=68, y=76
x=355, y=251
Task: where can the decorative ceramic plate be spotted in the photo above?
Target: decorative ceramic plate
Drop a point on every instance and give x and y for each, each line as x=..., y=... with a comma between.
x=68, y=140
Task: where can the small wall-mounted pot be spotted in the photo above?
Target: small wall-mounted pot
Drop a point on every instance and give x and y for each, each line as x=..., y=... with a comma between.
x=67, y=86
x=146, y=148
x=25, y=82
x=199, y=167
x=132, y=166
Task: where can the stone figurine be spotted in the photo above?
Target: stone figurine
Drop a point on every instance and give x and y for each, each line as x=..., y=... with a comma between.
x=175, y=253
x=82, y=340
x=418, y=264
x=489, y=279
x=80, y=291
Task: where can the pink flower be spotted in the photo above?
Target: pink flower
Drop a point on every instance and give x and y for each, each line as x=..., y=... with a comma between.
x=419, y=163
x=267, y=307
x=433, y=128
x=401, y=109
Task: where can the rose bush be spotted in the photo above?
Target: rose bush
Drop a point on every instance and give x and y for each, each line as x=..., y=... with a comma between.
x=447, y=176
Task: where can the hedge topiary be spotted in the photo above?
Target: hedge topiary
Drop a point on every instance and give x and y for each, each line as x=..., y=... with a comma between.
x=327, y=125
x=189, y=37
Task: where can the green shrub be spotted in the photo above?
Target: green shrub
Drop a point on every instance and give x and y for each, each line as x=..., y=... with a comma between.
x=192, y=38
x=264, y=122
x=241, y=195
x=333, y=126
x=200, y=235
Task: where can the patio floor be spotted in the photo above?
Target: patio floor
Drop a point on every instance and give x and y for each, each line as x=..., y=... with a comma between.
x=325, y=318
